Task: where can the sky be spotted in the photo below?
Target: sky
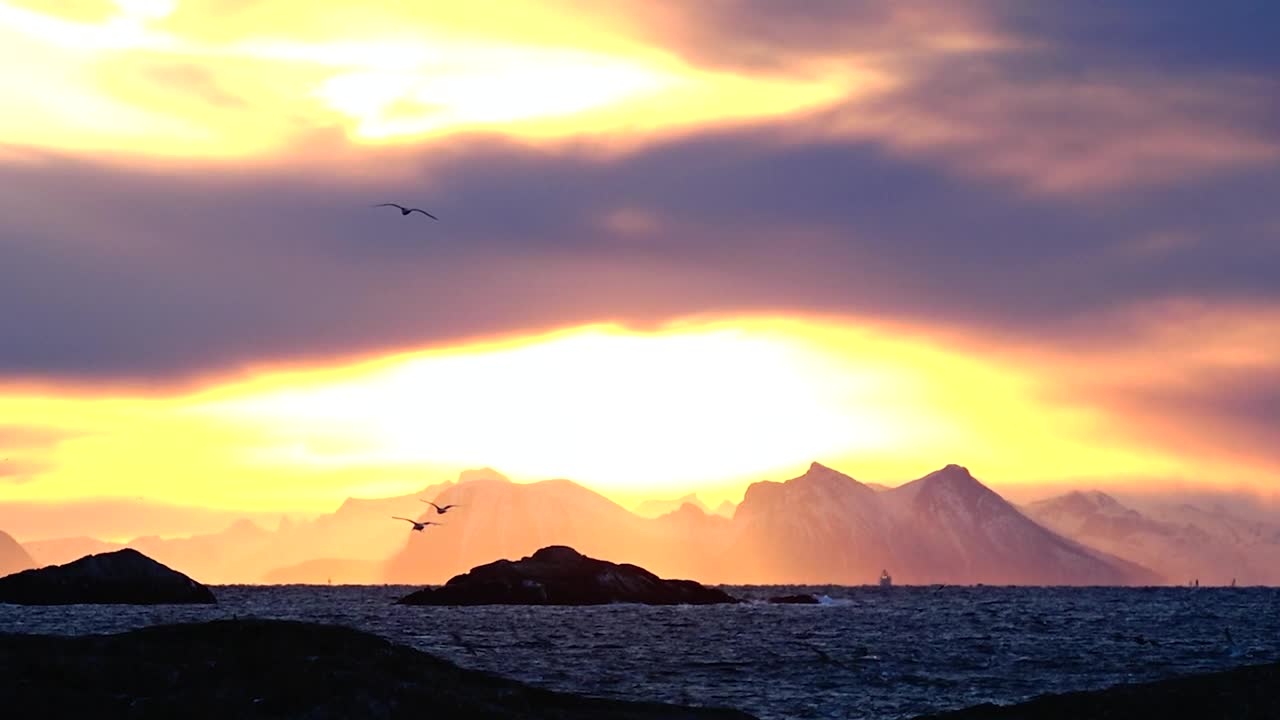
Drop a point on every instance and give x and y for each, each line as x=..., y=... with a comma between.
x=681, y=246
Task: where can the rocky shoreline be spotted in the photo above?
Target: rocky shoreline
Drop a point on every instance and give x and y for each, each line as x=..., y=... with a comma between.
x=1246, y=693
x=276, y=669
x=287, y=669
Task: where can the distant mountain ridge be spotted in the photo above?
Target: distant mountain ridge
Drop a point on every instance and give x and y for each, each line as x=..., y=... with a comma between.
x=946, y=527
x=355, y=540
x=1182, y=542
x=655, y=508
x=821, y=526
x=500, y=519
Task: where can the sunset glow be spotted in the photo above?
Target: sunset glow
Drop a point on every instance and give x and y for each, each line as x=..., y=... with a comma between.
x=127, y=83
x=680, y=248
x=700, y=405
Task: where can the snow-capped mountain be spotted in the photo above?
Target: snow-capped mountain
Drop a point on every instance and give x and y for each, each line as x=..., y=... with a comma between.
x=946, y=527
x=950, y=528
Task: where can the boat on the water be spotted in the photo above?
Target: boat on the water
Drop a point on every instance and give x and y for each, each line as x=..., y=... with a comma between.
x=885, y=579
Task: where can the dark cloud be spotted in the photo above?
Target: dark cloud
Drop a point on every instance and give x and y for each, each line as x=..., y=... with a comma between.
x=139, y=275
x=760, y=35
x=1103, y=98
x=1231, y=412
x=1178, y=35
x=1066, y=38
x=1027, y=185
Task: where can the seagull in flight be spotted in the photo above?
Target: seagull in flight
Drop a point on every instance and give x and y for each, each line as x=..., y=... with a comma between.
x=405, y=211
x=416, y=524
x=439, y=510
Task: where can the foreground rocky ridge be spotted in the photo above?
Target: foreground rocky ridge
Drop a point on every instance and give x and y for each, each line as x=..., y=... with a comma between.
x=274, y=669
x=121, y=577
x=560, y=575
x=1247, y=693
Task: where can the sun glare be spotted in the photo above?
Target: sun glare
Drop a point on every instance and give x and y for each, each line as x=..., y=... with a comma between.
x=484, y=86
x=103, y=85
x=707, y=405
x=619, y=410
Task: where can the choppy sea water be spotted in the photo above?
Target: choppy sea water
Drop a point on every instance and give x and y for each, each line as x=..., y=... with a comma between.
x=866, y=652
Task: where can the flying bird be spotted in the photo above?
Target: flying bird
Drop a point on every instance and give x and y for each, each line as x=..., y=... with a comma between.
x=405, y=211
x=439, y=510
x=416, y=524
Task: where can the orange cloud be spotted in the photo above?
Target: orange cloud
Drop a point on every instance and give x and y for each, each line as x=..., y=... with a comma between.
x=1069, y=136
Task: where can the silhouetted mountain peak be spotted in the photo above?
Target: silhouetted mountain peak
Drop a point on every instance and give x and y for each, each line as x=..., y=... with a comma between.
x=13, y=557
x=820, y=486
x=1092, y=499
x=557, y=554
x=656, y=508
x=688, y=510
x=819, y=473
x=956, y=478
x=953, y=473
x=1084, y=504
x=485, y=473
x=245, y=526
x=954, y=491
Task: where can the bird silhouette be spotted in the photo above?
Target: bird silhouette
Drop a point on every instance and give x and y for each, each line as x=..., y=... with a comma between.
x=417, y=525
x=439, y=510
x=405, y=211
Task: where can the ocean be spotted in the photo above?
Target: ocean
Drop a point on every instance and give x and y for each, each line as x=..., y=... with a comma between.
x=866, y=652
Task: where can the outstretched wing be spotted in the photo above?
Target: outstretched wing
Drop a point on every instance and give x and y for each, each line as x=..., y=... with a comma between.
x=437, y=507
x=389, y=205
x=424, y=212
x=397, y=517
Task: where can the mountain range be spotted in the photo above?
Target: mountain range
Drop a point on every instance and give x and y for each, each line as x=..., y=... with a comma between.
x=1181, y=542
x=821, y=527
x=653, y=508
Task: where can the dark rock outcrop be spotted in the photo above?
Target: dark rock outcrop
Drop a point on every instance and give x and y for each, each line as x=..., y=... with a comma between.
x=124, y=576
x=559, y=575
x=801, y=599
x=1247, y=693
x=275, y=669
